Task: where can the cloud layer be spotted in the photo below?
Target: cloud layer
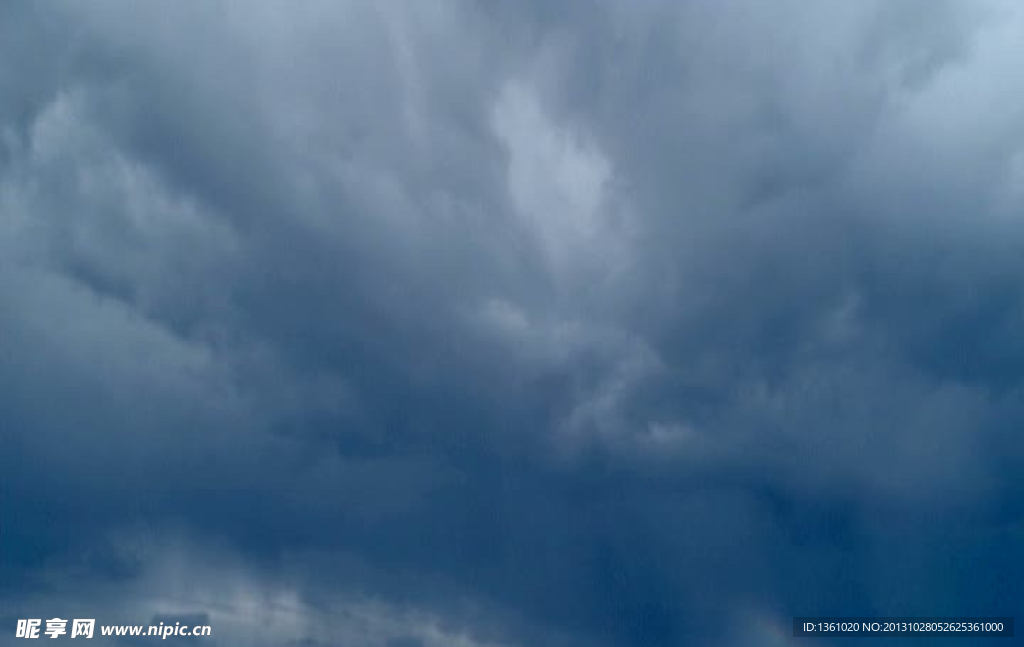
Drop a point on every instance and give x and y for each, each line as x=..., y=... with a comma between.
x=524, y=323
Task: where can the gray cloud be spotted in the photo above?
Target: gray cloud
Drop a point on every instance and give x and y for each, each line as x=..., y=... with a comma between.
x=509, y=324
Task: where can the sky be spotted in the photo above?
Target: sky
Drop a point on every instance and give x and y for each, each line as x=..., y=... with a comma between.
x=513, y=323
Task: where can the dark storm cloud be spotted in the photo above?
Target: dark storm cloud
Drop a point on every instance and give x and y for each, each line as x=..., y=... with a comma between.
x=525, y=323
